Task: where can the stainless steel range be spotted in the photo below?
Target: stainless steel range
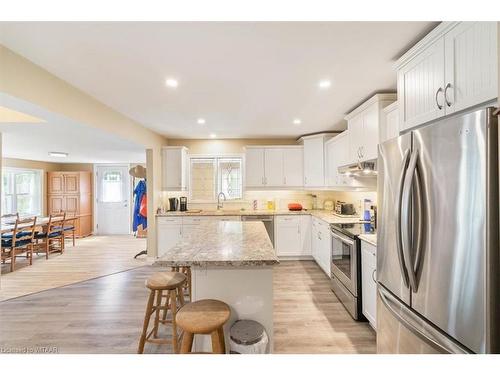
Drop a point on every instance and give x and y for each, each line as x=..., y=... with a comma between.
x=346, y=265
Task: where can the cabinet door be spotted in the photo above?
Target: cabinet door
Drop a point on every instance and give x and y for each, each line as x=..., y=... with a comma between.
x=325, y=249
x=391, y=125
x=332, y=162
x=368, y=284
x=355, y=127
x=55, y=204
x=370, y=133
x=471, y=65
x=55, y=183
x=72, y=204
x=314, y=163
x=174, y=169
x=421, y=87
x=254, y=167
x=288, y=236
x=273, y=167
x=71, y=183
x=293, y=167
x=305, y=234
x=168, y=236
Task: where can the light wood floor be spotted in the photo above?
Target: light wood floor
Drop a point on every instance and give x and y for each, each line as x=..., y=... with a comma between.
x=91, y=257
x=105, y=315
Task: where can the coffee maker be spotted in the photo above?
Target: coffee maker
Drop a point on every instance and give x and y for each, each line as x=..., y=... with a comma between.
x=173, y=204
x=183, y=203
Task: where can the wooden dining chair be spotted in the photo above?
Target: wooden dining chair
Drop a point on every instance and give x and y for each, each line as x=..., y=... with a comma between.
x=8, y=219
x=51, y=240
x=70, y=226
x=20, y=242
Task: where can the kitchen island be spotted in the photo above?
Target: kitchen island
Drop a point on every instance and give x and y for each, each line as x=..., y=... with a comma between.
x=231, y=261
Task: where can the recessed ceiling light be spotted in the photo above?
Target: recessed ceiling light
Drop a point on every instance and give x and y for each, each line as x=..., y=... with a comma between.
x=297, y=121
x=58, y=154
x=173, y=83
x=213, y=135
x=201, y=121
x=324, y=84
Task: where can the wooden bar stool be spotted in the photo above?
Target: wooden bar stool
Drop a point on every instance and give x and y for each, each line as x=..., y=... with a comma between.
x=188, y=287
x=205, y=317
x=158, y=283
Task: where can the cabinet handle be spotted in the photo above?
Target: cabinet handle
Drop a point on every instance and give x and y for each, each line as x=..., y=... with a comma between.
x=305, y=180
x=436, y=98
x=448, y=103
x=373, y=276
x=284, y=180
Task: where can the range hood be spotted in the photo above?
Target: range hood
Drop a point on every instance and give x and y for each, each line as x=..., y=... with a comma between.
x=360, y=169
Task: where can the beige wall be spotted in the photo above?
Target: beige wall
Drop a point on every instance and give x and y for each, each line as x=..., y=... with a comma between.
x=24, y=80
x=225, y=146
x=45, y=167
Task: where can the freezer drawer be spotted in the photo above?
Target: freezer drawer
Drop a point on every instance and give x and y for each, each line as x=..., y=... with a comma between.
x=400, y=330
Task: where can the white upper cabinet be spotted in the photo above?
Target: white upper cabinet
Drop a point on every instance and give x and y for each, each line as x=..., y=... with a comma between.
x=420, y=87
x=391, y=129
x=273, y=166
x=174, y=168
x=471, y=65
x=254, y=167
x=364, y=125
x=314, y=160
x=453, y=68
x=293, y=166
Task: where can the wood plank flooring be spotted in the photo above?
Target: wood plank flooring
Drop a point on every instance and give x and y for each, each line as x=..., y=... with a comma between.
x=91, y=257
x=105, y=315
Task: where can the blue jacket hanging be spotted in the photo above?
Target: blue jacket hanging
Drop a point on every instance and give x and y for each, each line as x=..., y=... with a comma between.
x=139, y=192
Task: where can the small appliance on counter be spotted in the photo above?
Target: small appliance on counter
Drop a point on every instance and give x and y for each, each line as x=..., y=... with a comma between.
x=328, y=205
x=183, y=204
x=173, y=204
x=343, y=208
x=294, y=207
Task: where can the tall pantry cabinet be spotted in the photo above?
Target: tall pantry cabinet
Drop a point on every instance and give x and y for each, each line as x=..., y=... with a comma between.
x=71, y=192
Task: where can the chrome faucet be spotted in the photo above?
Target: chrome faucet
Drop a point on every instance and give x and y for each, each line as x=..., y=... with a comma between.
x=219, y=204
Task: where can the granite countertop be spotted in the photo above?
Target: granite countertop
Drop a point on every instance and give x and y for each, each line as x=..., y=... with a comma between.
x=324, y=215
x=370, y=238
x=223, y=243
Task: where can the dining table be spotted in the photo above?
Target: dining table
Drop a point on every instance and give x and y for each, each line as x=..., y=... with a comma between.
x=6, y=227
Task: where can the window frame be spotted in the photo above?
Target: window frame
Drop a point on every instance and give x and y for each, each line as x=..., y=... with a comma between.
x=215, y=158
x=38, y=192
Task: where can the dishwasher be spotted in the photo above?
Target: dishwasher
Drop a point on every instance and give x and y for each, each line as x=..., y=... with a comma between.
x=268, y=221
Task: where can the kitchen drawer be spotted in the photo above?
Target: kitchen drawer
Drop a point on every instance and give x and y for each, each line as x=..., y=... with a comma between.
x=165, y=220
x=193, y=220
x=288, y=219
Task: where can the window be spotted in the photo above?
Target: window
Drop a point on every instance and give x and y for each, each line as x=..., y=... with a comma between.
x=210, y=176
x=21, y=191
x=112, y=187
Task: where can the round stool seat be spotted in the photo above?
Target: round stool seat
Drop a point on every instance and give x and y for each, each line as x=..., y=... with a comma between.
x=165, y=280
x=204, y=316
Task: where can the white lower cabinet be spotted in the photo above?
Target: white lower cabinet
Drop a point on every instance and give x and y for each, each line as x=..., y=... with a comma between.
x=169, y=231
x=368, y=282
x=293, y=235
x=321, y=244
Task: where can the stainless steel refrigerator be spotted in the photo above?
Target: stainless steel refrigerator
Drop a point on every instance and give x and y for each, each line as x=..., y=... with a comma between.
x=438, y=260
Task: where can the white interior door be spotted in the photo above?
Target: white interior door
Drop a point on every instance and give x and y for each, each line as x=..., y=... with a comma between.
x=113, y=199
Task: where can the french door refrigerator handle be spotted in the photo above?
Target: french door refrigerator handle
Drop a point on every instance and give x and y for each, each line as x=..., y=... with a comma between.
x=404, y=272
x=420, y=224
x=419, y=327
x=405, y=219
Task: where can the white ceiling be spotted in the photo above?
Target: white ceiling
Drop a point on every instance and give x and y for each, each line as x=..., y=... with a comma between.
x=246, y=79
x=34, y=141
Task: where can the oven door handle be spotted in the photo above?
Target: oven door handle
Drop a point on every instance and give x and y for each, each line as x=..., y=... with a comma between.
x=342, y=238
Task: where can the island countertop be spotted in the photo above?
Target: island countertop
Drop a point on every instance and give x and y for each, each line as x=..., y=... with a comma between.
x=224, y=243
